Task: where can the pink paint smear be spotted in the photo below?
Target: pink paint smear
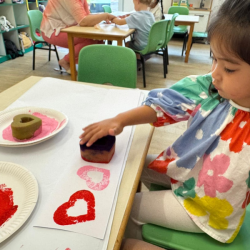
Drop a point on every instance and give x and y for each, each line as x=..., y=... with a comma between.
x=48, y=126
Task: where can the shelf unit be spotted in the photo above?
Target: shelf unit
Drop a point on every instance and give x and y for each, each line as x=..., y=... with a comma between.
x=203, y=13
x=17, y=15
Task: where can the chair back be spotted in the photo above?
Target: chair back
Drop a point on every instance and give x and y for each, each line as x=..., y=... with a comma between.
x=181, y=10
x=107, y=8
x=178, y=9
x=170, y=29
x=35, y=19
x=101, y=64
x=157, y=37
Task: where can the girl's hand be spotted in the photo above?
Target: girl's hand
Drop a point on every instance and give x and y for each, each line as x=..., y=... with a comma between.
x=100, y=129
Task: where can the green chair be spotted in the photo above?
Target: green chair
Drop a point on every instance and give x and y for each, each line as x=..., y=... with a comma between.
x=101, y=64
x=107, y=8
x=156, y=40
x=180, y=29
x=35, y=19
x=172, y=239
x=164, y=52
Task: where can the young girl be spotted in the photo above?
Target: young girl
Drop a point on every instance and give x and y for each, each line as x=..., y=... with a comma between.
x=157, y=10
x=208, y=167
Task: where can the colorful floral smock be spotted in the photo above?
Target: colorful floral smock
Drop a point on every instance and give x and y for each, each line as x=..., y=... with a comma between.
x=209, y=164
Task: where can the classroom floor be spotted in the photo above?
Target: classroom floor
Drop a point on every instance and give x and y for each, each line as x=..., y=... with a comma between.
x=16, y=70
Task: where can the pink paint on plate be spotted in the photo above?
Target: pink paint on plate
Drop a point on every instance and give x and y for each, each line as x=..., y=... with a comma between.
x=62, y=123
x=49, y=125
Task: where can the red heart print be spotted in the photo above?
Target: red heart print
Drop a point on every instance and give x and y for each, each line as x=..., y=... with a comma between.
x=61, y=217
x=83, y=173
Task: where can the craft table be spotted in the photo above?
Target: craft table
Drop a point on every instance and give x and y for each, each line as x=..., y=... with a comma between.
x=189, y=21
x=129, y=183
x=108, y=32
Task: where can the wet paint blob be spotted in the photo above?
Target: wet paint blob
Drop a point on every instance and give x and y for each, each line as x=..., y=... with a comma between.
x=7, y=207
x=61, y=217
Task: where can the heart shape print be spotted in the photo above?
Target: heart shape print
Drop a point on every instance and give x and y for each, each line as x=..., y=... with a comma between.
x=83, y=173
x=61, y=217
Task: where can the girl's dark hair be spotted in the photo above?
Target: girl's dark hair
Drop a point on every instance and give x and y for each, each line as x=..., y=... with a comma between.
x=231, y=28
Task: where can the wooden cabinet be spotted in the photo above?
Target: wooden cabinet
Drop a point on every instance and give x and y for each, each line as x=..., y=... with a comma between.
x=17, y=15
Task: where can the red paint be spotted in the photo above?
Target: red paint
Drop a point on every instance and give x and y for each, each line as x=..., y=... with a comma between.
x=61, y=217
x=7, y=208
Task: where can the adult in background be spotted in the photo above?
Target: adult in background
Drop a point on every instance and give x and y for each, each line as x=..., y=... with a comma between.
x=157, y=10
x=60, y=14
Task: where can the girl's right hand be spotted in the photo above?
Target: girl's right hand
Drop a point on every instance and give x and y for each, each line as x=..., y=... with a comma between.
x=100, y=129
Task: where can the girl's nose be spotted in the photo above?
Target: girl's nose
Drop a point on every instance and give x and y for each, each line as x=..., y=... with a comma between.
x=216, y=72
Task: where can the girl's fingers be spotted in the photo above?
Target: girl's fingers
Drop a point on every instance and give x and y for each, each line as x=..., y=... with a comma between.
x=112, y=131
x=86, y=136
x=94, y=138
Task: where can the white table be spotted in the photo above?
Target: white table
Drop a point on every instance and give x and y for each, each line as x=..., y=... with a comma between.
x=50, y=238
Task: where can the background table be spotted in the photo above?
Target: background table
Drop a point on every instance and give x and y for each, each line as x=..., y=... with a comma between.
x=109, y=32
x=189, y=21
x=130, y=179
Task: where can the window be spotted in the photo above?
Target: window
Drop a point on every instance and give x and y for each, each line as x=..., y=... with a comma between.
x=96, y=5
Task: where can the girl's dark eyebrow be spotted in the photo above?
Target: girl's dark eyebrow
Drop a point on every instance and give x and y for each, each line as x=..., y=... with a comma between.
x=228, y=60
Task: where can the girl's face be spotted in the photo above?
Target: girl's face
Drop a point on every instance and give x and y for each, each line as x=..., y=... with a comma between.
x=231, y=76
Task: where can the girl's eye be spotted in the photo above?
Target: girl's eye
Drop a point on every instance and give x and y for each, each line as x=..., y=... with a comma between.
x=229, y=70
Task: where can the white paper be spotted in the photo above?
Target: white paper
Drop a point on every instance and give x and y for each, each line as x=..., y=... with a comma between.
x=88, y=175
x=51, y=160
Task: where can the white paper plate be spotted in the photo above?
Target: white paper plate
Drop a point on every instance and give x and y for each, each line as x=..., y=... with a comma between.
x=25, y=194
x=6, y=118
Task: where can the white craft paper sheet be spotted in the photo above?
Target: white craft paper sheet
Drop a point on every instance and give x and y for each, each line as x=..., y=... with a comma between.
x=51, y=160
x=70, y=183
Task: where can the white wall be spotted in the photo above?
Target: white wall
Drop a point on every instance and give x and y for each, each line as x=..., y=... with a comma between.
x=128, y=5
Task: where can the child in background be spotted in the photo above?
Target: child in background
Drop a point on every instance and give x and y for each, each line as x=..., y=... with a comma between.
x=157, y=10
x=208, y=167
x=141, y=21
